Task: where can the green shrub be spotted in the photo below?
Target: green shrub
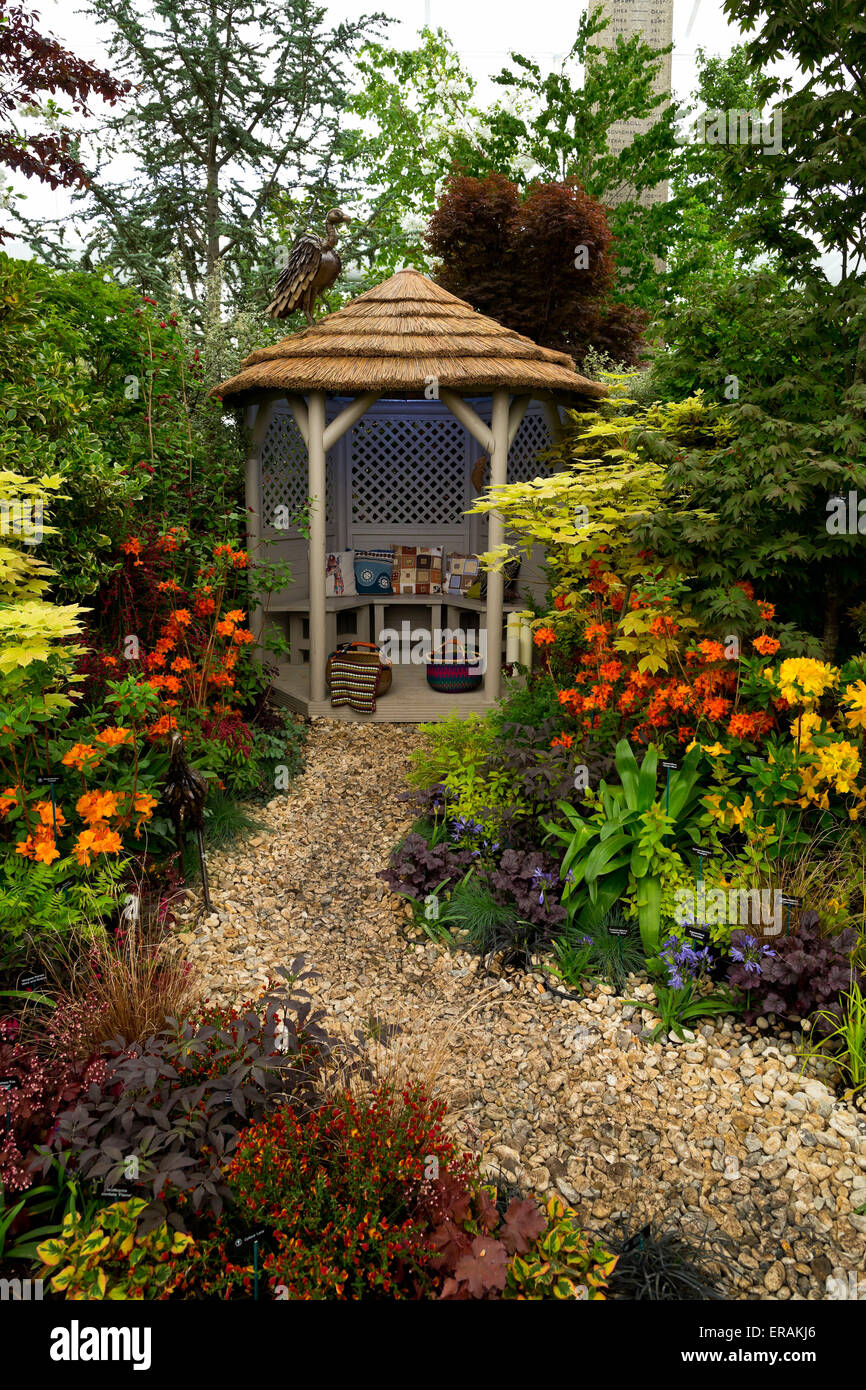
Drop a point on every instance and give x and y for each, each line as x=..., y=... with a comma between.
x=41, y=905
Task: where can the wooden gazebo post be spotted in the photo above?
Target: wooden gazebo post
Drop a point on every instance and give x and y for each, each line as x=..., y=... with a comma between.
x=316, y=489
x=495, y=537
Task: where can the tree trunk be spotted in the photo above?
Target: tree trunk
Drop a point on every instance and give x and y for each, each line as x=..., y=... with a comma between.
x=832, y=614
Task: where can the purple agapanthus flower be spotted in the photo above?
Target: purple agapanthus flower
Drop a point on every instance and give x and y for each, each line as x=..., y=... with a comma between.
x=539, y=877
x=748, y=951
x=684, y=963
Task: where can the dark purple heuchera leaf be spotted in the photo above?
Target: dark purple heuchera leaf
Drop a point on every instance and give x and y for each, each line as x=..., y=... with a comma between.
x=807, y=973
x=416, y=869
x=530, y=878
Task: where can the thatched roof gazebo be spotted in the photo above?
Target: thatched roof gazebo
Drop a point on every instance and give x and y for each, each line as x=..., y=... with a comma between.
x=408, y=339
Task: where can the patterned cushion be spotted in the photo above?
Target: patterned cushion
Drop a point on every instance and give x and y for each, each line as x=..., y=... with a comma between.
x=462, y=570
x=417, y=569
x=373, y=571
x=339, y=574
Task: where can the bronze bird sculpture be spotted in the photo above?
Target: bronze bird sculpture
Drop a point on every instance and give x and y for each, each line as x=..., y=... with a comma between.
x=314, y=265
x=184, y=793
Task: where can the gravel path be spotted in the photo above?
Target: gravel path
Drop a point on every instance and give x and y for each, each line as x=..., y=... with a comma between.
x=720, y=1133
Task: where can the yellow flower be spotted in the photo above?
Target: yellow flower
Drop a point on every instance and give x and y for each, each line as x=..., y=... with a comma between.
x=804, y=727
x=802, y=679
x=715, y=750
x=854, y=705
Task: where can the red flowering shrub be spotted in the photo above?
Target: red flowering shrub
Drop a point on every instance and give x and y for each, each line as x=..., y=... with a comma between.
x=339, y=1190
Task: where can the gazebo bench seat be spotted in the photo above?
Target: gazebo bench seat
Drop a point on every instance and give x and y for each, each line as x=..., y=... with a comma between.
x=363, y=617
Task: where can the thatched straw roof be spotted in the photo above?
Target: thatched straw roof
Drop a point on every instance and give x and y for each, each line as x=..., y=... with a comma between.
x=393, y=339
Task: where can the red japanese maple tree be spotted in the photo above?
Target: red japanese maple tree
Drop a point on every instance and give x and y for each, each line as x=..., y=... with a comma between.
x=543, y=265
x=33, y=65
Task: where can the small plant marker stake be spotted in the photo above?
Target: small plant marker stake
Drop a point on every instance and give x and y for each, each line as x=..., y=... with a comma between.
x=255, y=1271
x=668, y=767
x=49, y=782
x=619, y=933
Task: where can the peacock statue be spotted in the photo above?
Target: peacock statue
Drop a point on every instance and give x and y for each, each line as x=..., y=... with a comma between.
x=314, y=265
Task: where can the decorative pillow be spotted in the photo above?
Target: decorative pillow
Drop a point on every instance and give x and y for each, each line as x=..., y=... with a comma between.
x=462, y=571
x=417, y=569
x=373, y=571
x=339, y=574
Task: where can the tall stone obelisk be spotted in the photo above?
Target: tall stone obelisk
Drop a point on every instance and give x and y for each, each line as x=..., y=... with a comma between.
x=655, y=20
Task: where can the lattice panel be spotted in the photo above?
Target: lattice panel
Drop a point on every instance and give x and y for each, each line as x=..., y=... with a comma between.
x=531, y=439
x=408, y=472
x=284, y=471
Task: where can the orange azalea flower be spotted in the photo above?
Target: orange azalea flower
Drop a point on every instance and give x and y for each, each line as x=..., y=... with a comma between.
x=746, y=587
x=745, y=725
x=610, y=670
x=109, y=660
x=162, y=726
x=46, y=852
x=8, y=799
x=715, y=708
x=766, y=645
x=78, y=755
x=181, y=616
x=131, y=546
x=114, y=736
x=712, y=651
x=560, y=602
x=562, y=741
x=544, y=637
x=204, y=607
x=144, y=805
x=95, y=806
x=663, y=626
x=168, y=586
x=240, y=559
x=81, y=848
x=181, y=663
x=171, y=683
x=595, y=632
x=243, y=636
x=50, y=815
x=236, y=615
x=766, y=610
x=224, y=628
